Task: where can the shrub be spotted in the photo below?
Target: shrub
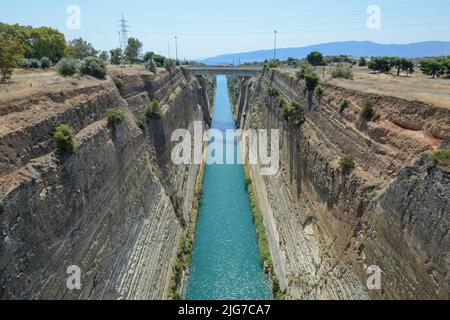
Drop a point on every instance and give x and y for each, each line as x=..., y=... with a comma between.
x=169, y=65
x=342, y=71
x=362, y=62
x=294, y=113
x=343, y=105
x=273, y=92
x=304, y=69
x=30, y=64
x=442, y=157
x=319, y=91
x=153, y=111
x=2, y=210
x=368, y=112
x=272, y=64
x=67, y=67
x=347, y=163
x=118, y=82
x=45, y=63
x=141, y=124
x=150, y=65
x=64, y=139
x=248, y=182
x=93, y=66
x=312, y=80
x=115, y=116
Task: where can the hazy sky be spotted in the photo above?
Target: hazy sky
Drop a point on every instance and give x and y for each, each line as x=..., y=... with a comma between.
x=210, y=27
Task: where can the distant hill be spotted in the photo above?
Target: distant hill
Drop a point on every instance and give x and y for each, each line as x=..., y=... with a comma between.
x=352, y=48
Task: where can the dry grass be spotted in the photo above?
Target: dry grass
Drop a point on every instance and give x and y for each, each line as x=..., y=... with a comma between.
x=414, y=87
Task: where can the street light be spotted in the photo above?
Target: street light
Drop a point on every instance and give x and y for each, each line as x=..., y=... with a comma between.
x=176, y=48
x=275, y=46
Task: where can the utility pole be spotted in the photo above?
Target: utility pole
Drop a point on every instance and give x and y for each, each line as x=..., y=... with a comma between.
x=275, y=46
x=168, y=50
x=176, y=48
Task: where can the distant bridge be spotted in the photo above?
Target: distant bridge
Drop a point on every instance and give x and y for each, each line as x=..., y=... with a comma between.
x=227, y=71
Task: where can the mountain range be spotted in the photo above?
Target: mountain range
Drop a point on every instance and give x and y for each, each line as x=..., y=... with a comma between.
x=352, y=48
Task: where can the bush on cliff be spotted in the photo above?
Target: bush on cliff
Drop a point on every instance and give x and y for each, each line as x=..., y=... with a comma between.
x=118, y=82
x=141, y=124
x=153, y=110
x=348, y=163
x=115, y=117
x=273, y=92
x=442, y=157
x=93, y=66
x=67, y=67
x=368, y=112
x=150, y=65
x=312, y=80
x=343, y=105
x=64, y=139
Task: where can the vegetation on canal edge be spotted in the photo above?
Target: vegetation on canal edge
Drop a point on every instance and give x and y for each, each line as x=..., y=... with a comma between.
x=186, y=243
x=263, y=242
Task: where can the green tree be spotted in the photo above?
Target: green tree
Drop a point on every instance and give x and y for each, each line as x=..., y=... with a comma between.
x=80, y=49
x=116, y=56
x=104, y=55
x=380, y=64
x=432, y=67
x=362, y=62
x=133, y=50
x=312, y=80
x=10, y=54
x=315, y=58
x=48, y=42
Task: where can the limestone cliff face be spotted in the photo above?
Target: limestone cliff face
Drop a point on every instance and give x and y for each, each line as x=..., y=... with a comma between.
x=326, y=227
x=115, y=208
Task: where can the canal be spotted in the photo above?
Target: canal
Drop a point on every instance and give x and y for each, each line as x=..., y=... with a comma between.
x=225, y=263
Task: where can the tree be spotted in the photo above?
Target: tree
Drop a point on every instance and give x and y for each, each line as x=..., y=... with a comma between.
x=312, y=80
x=10, y=54
x=408, y=66
x=362, y=62
x=104, y=55
x=80, y=49
x=432, y=67
x=315, y=58
x=133, y=50
x=380, y=64
x=116, y=56
x=48, y=42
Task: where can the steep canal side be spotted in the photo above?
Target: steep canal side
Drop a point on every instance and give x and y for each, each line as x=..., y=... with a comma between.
x=226, y=263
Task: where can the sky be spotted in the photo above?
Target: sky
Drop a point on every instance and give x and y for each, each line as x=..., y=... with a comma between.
x=207, y=28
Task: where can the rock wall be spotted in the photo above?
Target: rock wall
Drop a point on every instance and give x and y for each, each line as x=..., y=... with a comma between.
x=327, y=227
x=115, y=209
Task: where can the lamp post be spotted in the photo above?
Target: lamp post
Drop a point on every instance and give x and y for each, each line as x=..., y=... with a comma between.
x=176, y=48
x=275, y=46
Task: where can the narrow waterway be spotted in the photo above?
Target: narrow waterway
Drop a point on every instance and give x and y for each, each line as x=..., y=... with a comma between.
x=225, y=262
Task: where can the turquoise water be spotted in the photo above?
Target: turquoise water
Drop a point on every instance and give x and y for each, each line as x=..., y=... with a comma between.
x=225, y=263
